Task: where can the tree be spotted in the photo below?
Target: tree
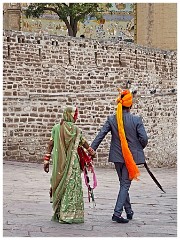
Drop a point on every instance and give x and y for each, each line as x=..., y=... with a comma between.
x=70, y=13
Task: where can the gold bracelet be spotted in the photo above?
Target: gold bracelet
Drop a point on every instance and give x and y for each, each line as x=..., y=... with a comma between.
x=45, y=161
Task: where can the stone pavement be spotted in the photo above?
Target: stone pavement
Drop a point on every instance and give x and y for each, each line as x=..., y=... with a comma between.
x=27, y=211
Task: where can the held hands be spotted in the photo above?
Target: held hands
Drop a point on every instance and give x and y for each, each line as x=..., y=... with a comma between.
x=46, y=162
x=91, y=152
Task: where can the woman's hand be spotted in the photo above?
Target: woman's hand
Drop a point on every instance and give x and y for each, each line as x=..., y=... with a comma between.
x=91, y=152
x=46, y=166
x=46, y=162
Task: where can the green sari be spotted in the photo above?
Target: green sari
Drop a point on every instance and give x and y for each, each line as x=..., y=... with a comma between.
x=66, y=182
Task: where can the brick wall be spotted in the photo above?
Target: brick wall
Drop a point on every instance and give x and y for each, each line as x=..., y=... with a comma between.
x=42, y=74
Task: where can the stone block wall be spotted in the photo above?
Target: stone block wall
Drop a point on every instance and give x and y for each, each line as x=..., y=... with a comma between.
x=43, y=74
x=157, y=25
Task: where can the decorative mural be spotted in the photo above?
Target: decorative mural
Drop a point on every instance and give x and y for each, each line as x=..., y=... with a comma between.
x=117, y=23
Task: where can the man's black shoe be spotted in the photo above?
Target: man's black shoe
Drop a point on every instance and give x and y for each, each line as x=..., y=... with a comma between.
x=119, y=219
x=130, y=215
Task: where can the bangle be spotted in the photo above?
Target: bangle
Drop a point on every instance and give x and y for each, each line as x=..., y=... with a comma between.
x=47, y=158
x=45, y=162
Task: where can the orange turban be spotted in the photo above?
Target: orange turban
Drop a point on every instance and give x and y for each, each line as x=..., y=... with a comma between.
x=125, y=101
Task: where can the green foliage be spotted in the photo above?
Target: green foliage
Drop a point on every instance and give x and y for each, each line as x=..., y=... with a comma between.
x=77, y=11
x=70, y=13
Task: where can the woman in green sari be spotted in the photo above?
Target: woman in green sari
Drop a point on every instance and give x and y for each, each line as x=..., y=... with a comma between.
x=66, y=183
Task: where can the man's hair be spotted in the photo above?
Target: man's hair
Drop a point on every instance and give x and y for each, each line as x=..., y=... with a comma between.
x=123, y=107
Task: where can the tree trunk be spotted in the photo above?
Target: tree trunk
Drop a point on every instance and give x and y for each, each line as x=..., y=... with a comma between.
x=73, y=23
x=74, y=28
x=69, y=27
x=70, y=31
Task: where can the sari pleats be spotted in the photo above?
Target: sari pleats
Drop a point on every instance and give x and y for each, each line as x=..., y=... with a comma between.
x=66, y=180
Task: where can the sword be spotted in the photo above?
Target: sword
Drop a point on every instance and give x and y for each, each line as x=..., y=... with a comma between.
x=153, y=177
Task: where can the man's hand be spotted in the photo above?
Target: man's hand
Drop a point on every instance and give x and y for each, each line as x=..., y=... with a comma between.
x=91, y=152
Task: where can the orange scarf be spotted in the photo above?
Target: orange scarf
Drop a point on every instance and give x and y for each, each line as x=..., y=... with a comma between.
x=129, y=161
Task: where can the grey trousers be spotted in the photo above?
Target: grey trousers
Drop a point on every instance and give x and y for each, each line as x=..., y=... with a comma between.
x=123, y=199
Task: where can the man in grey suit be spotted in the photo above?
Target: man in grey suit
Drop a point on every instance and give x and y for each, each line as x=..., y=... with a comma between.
x=137, y=140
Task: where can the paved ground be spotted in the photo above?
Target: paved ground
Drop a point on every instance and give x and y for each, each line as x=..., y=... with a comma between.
x=27, y=211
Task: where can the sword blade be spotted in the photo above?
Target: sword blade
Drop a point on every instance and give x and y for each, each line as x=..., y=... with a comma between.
x=153, y=177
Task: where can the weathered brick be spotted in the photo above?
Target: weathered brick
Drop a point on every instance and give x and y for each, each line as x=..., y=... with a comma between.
x=42, y=89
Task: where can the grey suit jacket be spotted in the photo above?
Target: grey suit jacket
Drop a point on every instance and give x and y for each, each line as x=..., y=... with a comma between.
x=135, y=134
